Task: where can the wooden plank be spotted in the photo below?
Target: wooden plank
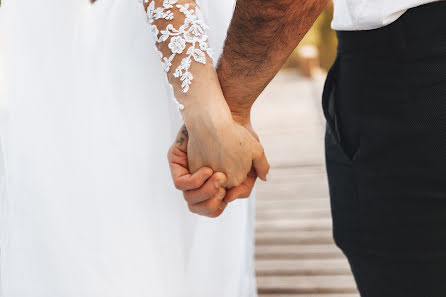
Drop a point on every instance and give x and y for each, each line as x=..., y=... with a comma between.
x=295, y=177
x=294, y=237
x=268, y=267
x=297, y=251
x=294, y=212
x=295, y=173
x=303, y=201
x=295, y=203
x=291, y=209
x=295, y=200
x=293, y=192
x=294, y=224
x=332, y=284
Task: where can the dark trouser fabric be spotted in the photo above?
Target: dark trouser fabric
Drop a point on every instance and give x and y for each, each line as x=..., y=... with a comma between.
x=385, y=105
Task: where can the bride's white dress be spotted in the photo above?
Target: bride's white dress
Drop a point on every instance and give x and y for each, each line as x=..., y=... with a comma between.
x=87, y=205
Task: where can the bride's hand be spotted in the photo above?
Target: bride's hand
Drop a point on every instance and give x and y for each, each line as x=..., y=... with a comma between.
x=218, y=142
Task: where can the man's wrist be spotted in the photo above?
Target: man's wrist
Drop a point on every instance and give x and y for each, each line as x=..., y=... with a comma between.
x=240, y=114
x=235, y=93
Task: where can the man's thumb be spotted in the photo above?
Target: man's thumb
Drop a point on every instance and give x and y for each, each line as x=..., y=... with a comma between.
x=261, y=164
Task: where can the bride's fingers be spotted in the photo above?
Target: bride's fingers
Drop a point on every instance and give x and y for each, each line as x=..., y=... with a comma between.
x=177, y=156
x=208, y=190
x=189, y=181
x=181, y=176
x=210, y=206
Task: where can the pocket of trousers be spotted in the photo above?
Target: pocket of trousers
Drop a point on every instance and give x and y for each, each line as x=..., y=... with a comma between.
x=329, y=108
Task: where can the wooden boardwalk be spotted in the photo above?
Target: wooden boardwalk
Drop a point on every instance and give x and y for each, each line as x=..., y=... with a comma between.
x=295, y=253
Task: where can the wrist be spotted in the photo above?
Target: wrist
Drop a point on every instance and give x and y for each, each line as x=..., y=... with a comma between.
x=241, y=113
x=204, y=118
x=236, y=93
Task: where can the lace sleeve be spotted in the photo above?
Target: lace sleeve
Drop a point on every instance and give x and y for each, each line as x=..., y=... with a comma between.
x=180, y=35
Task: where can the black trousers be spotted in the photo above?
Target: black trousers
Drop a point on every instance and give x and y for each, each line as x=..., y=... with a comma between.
x=385, y=106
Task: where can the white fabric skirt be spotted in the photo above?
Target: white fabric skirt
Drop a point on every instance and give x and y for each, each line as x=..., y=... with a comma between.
x=88, y=208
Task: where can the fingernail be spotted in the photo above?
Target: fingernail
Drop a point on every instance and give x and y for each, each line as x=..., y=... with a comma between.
x=221, y=194
x=223, y=206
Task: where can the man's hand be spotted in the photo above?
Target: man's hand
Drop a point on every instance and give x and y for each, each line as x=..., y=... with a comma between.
x=244, y=190
x=218, y=142
x=203, y=190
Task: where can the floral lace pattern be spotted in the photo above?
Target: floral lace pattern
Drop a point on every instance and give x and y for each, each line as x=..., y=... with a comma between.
x=190, y=37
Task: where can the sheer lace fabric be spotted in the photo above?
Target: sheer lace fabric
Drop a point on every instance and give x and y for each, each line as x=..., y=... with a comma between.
x=183, y=29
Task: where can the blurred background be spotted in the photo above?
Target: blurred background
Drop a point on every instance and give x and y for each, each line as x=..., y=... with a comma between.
x=317, y=51
x=295, y=252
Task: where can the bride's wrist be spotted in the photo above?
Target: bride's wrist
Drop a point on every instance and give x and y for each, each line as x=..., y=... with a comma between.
x=207, y=117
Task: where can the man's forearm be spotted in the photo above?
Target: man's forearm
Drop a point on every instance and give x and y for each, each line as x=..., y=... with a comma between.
x=262, y=35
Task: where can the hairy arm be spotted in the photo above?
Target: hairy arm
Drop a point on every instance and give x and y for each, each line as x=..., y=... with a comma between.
x=262, y=35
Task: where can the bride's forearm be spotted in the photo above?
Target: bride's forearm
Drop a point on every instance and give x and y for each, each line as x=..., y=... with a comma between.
x=181, y=37
x=261, y=37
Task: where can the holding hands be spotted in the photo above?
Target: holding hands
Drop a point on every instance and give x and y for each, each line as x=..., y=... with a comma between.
x=221, y=157
x=215, y=162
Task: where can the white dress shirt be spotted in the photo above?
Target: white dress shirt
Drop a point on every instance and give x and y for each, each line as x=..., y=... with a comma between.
x=354, y=15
